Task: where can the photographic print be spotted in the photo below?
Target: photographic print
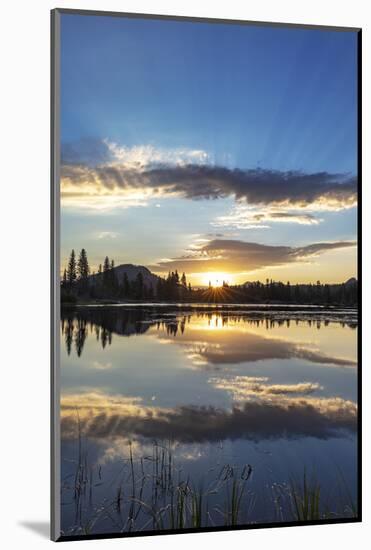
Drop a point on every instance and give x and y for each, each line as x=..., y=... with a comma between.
x=206, y=178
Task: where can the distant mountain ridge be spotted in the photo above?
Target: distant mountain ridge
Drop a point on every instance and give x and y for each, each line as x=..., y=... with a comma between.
x=131, y=271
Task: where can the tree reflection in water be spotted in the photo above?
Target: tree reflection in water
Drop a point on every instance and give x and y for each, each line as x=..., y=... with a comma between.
x=127, y=321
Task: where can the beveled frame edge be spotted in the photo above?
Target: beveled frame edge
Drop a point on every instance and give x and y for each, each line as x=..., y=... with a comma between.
x=55, y=516
x=359, y=273
x=199, y=19
x=55, y=532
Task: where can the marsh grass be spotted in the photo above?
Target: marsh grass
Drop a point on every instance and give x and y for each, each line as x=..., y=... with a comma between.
x=347, y=501
x=305, y=499
x=152, y=492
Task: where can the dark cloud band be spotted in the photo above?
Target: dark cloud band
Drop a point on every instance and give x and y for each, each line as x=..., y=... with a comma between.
x=254, y=420
x=93, y=164
x=227, y=255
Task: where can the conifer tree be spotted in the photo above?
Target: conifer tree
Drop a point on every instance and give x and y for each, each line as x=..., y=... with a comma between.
x=71, y=269
x=113, y=279
x=83, y=269
x=106, y=270
x=106, y=264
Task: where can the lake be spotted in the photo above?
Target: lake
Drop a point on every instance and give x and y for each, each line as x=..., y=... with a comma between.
x=184, y=416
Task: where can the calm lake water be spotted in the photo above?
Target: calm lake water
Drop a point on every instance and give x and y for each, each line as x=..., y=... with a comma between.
x=176, y=418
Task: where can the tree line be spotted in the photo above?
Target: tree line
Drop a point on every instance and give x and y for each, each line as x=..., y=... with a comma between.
x=279, y=292
x=79, y=282
x=307, y=293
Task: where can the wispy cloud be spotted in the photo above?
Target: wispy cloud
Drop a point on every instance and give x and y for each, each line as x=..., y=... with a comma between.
x=245, y=387
x=144, y=156
x=247, y=217
x=94, y=152
x=98, y=365
x=236, y=256
x=107, y=235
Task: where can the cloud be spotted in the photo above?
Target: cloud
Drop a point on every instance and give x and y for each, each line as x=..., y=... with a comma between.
x=107, y=235
x=102, y=175
x=244, y=387
x=94, y=152
x=94, y=402
x=211, y=348
x=256, y=419
x=246, y=217
x=187, y=173
x=235, y=256
x=98, y=365
x=148, y=155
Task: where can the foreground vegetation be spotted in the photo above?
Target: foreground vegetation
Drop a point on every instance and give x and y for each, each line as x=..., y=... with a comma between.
x=151, y=492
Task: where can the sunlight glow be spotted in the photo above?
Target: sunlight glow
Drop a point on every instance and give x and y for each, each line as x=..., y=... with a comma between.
x=216, y=279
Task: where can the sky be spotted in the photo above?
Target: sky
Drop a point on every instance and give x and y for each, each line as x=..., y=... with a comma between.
x=225, y=151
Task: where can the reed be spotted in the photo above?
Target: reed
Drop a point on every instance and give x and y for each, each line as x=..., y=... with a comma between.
x=305, y=499
x=152, y=492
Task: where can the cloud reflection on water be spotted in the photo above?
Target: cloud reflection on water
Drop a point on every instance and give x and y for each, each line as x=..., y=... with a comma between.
x=103, y=416
x=258, y=408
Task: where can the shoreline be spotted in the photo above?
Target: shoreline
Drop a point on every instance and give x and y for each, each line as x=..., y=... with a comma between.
x=210, y=305
x=278, y=312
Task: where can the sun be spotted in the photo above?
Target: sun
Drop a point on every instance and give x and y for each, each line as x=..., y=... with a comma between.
x=216, y=280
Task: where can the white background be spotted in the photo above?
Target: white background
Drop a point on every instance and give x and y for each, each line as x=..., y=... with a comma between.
x=24, y=268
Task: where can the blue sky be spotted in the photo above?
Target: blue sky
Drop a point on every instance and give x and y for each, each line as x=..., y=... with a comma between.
x=140, y=94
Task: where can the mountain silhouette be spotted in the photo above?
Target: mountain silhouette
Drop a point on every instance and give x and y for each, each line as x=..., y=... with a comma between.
x=131, y=271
